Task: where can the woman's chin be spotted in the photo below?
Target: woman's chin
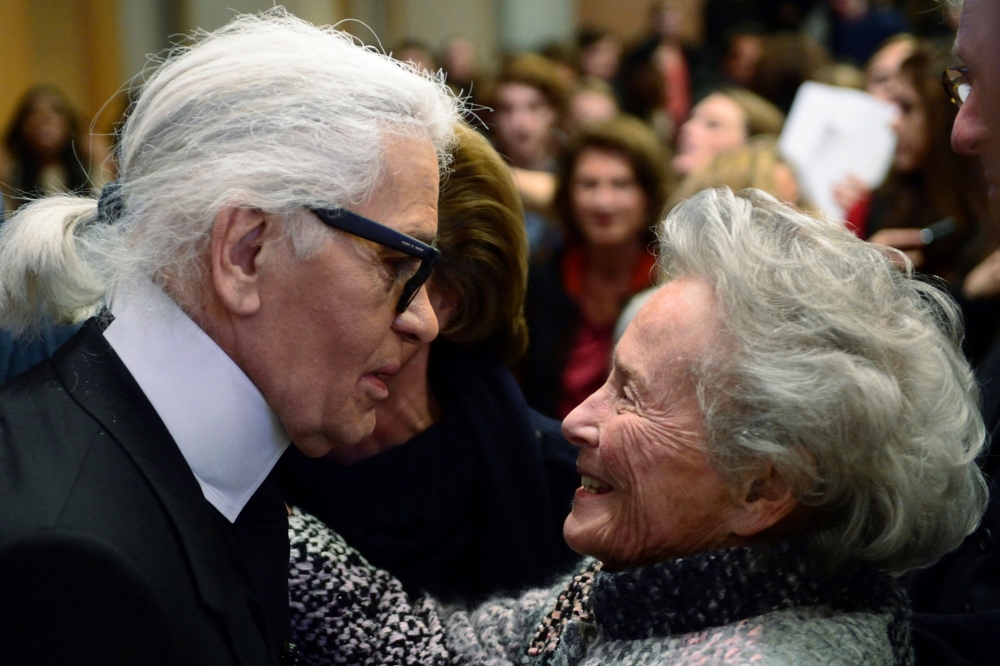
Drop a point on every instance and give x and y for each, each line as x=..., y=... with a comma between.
x=582, y=532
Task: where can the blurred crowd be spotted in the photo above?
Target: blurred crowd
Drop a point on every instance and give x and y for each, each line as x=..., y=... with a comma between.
x=348, y=351
x=604, y=136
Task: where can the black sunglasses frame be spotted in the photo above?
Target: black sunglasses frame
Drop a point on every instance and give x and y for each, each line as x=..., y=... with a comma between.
x=361, y=226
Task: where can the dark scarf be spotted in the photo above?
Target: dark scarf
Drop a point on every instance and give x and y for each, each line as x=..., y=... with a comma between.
x=717, y=588
x=472, y=506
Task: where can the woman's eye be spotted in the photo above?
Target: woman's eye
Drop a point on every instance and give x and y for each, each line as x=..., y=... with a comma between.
x=626, y=397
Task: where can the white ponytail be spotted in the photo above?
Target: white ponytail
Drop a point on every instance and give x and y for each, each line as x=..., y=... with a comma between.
x=47, y=252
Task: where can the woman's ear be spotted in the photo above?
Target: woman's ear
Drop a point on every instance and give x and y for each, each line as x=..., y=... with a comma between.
x=765, y=500
x=444, y=302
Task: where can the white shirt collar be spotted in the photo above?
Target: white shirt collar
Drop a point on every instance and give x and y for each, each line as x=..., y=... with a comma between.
x=226, y=431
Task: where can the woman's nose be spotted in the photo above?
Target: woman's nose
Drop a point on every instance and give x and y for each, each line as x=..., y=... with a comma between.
x=580, y=426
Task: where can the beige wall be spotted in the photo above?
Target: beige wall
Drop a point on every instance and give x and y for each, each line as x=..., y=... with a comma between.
x=435, y=22
x=71, y=44
x=629, y=19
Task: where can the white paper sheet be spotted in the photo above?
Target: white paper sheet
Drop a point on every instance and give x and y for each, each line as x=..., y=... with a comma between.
x=834, y=132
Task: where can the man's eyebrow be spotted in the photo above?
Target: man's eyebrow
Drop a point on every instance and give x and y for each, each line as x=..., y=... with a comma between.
x=423, y=237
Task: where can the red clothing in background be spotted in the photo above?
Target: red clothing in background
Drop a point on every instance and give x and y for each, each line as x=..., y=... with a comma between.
x=588, y=361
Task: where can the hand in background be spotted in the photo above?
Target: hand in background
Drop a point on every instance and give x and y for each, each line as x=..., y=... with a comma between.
x=537, y=188
x=983, y=281
x=848, y=192
x=906, y=240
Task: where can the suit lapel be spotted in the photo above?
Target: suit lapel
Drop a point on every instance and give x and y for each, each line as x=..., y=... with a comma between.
x=100, y=383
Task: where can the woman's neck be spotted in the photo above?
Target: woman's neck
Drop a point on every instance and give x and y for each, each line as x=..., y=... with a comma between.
x=537, y=160
x=607, y=280
x=410, y=409
x=613, y=262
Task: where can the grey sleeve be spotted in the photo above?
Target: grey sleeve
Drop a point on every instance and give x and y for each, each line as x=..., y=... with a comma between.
x=344, y=610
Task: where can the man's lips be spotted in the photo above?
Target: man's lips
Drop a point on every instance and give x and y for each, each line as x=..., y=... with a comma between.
x=386, y=371
x=379, y=376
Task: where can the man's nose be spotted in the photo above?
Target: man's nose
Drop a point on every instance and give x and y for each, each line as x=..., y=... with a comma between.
x=418, y=324
x=969, y=131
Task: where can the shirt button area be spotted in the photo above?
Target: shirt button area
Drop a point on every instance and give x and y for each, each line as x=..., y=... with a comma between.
x=985, y=539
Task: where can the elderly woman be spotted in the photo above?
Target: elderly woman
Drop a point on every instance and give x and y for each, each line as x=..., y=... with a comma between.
x=789, y=422
x=462, y=489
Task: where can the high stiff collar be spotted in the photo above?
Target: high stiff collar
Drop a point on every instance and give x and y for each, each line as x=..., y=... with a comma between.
x=226, y=431
x=724, y=586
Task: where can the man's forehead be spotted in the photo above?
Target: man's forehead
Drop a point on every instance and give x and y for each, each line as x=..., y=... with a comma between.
x=978, y=31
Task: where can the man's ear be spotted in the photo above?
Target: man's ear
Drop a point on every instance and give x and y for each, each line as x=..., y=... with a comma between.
x=765, y=500
x=238, y=236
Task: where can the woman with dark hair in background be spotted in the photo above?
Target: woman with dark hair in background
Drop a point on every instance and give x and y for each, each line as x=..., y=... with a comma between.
x=612, y=187
x=529, y=101
x=462, y=489
x=928, y=182
x=48, y=155
x=45, y=145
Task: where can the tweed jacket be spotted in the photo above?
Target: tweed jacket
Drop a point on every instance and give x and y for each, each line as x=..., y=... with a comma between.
x=761, y=606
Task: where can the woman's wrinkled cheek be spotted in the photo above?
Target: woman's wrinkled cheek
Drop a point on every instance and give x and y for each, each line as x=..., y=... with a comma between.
x=631, y=466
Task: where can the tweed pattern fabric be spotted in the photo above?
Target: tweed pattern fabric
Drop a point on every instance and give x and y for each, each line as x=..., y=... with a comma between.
x=345, y=611
x=743, y=606
x=573, y=604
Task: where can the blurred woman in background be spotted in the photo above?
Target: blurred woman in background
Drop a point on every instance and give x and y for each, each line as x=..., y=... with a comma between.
x=612, y=188
x=462, y=489
x=884, y=65
x=722, y=121
x=756, y=164
x=47, y=149
x=529, y=102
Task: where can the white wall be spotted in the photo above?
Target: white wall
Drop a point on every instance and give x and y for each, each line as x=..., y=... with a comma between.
x=434, y=22
x=144, y=28
x=529, y=24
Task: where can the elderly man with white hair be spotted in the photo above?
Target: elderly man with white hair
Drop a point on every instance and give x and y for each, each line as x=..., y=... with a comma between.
x=264, y=250
x=957, y=602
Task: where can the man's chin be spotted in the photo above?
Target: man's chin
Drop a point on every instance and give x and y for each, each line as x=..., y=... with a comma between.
x=317, y=445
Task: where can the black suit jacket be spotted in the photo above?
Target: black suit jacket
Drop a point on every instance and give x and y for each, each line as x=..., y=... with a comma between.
x=956, y=602
x=109, y=552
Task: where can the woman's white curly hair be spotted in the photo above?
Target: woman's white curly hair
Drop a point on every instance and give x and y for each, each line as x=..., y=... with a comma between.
x=840, y=370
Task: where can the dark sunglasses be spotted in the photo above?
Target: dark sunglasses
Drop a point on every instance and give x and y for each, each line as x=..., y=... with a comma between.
x=358, y=225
